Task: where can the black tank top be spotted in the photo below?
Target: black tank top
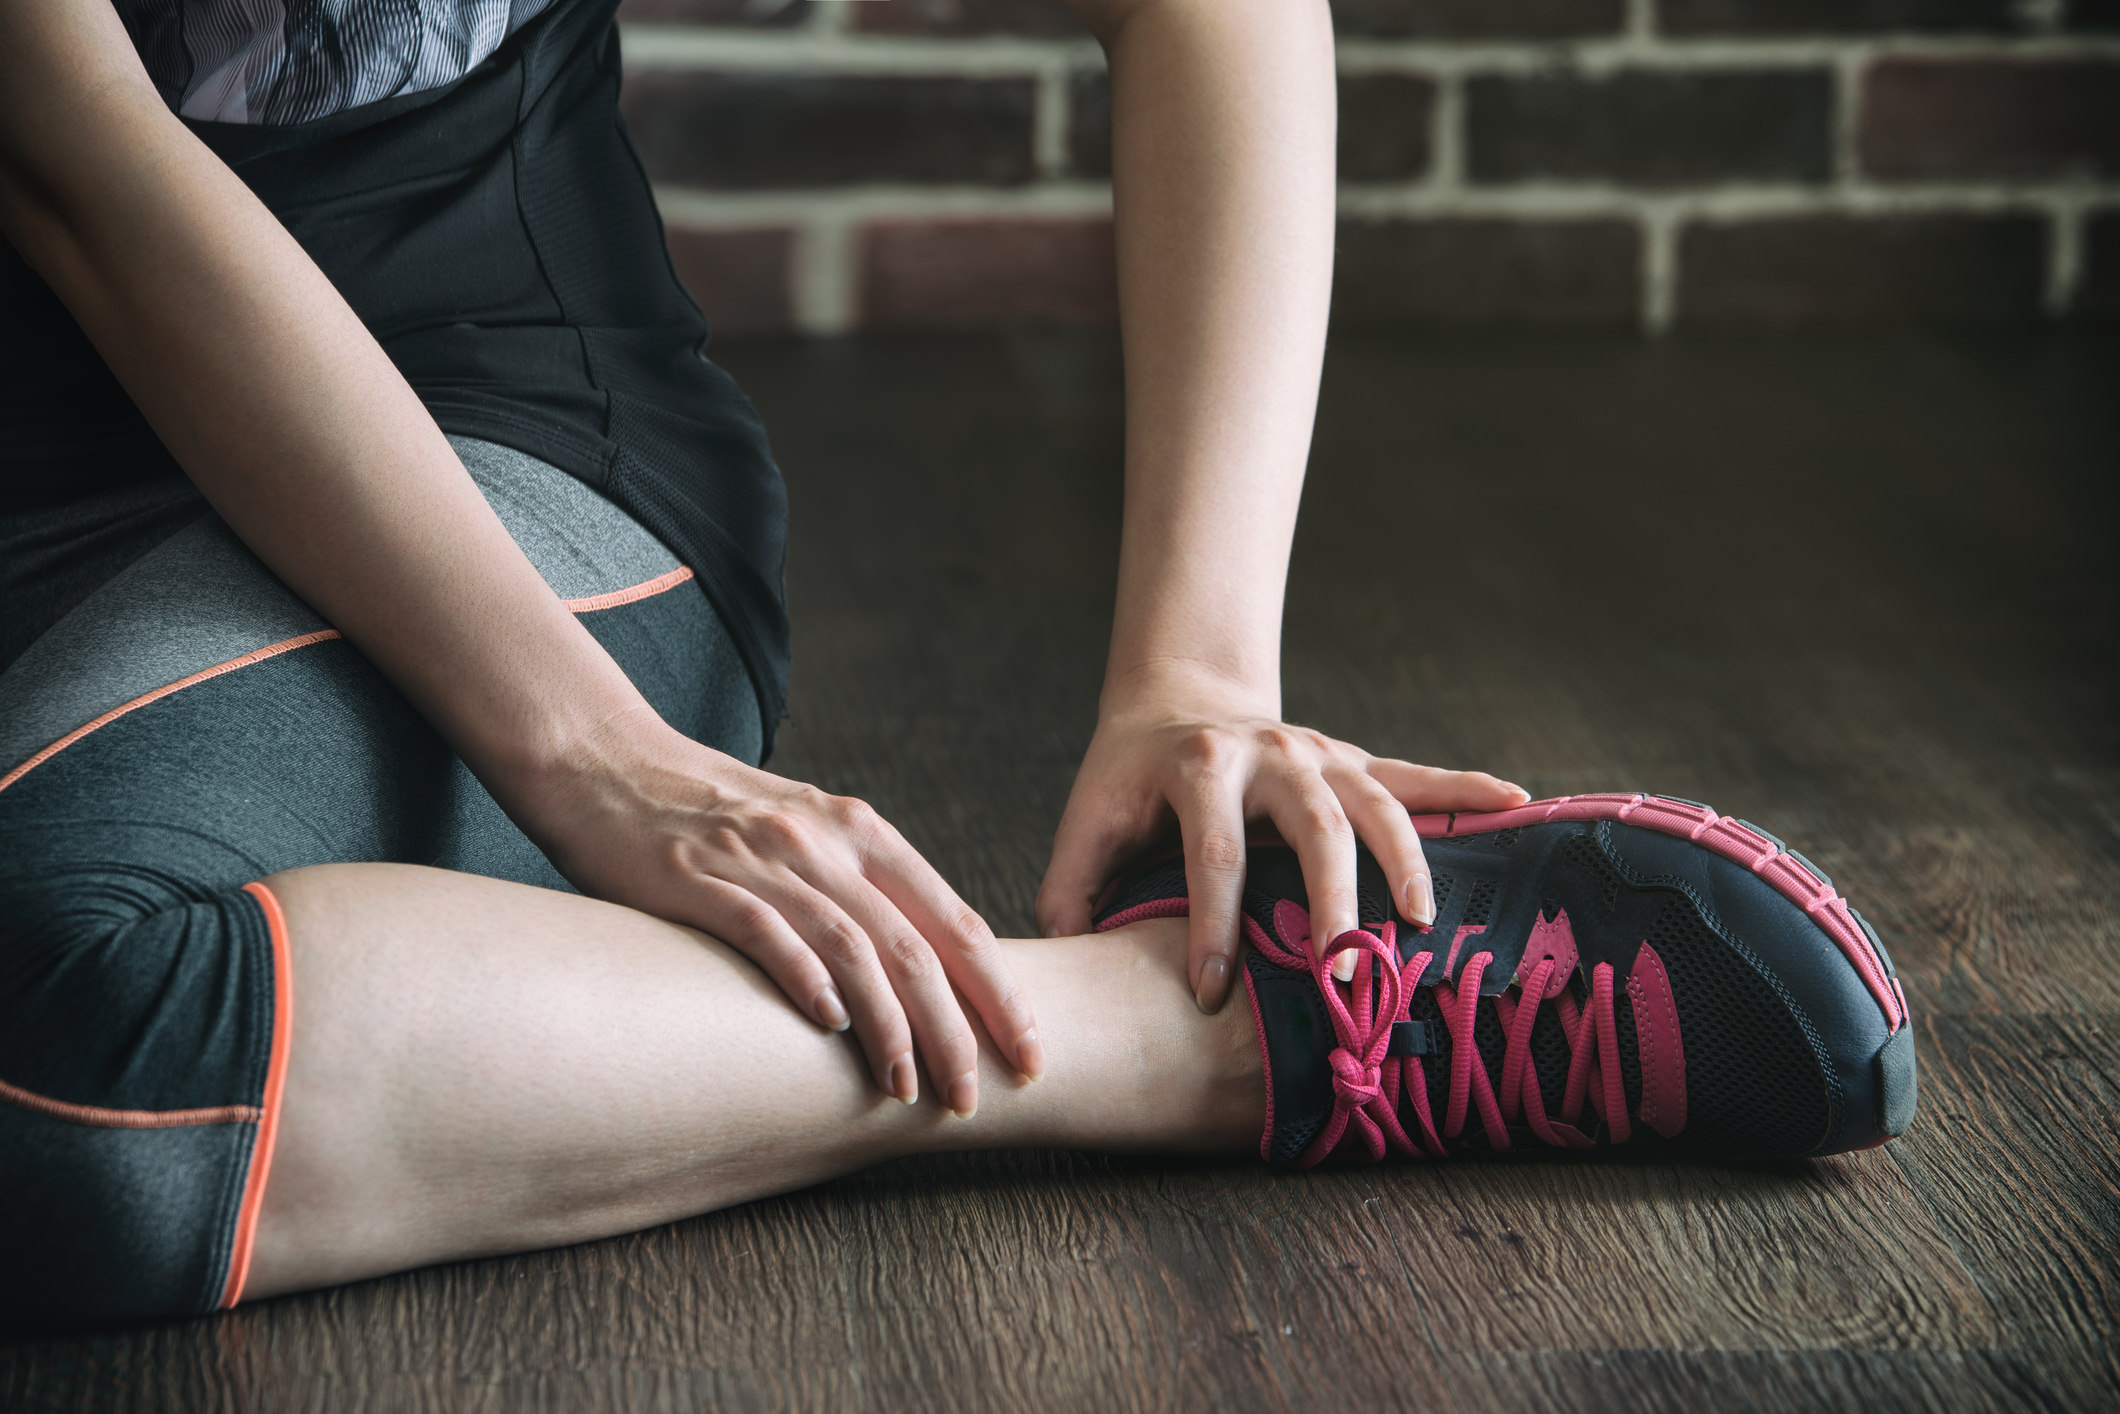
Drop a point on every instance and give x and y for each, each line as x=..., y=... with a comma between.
x=499, y=238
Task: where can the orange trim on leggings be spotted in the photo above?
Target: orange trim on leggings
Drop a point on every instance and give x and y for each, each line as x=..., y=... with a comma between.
x=125, y=1119
x=647, y=589
x=270, y=650
x=275, y=1083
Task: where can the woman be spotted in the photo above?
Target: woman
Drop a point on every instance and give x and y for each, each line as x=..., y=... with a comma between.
x=487, y=605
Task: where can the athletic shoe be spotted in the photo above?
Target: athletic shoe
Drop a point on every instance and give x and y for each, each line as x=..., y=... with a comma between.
x=1603, y=970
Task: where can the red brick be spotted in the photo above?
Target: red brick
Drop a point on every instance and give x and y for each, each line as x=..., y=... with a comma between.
x=740, y=278
x=1651, y=127
x=2098, y=294
x=1848, y=269
x=821, y=130
x=973, y=274
x=1035, y=17
x=1942, y=118
x=746, y=14
x=1384, y=124
x=1478, y=19
x=1693, y=17
x=1459, y=271
x=1089, y=124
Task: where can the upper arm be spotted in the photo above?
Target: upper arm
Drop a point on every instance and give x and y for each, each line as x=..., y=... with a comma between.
x=74, y=97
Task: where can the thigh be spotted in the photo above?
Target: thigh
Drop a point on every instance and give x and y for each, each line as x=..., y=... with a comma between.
x=184, y=731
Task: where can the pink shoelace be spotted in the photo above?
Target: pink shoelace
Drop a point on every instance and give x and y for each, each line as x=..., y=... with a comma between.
x=1368, y=1084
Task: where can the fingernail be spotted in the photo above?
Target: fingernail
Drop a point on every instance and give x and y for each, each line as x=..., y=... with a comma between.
x=1420, y=900
x=964, y=1095
x=831, y=1012
x=1518, y=789
x=1212, y=974
x=1030, y=1055
x=1343, y=966
x=905, y=1081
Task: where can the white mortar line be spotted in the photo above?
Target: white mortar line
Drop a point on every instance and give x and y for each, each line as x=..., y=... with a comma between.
x=1847, y=118
x=1446, y=136
x=1659, y=226
x=822, y=276
x=1639, y=24
x=2064, y=255
x=828, y=49
x=1604, y=54
x=846, y=51
x=1049, y=121
x=1729, y=203
x=1060, y=200
x=691, y=206
x=826, y=17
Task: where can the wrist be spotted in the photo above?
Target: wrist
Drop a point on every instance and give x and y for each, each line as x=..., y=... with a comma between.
x=1192, y=685
x=572, y=766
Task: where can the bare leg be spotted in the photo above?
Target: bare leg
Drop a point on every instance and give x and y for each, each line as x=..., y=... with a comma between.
x=482, y=1067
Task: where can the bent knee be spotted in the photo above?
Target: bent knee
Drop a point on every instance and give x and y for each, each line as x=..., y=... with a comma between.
x=140, y=1024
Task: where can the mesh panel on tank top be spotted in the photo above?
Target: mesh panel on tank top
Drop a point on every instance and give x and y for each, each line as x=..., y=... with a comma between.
x=240, y=61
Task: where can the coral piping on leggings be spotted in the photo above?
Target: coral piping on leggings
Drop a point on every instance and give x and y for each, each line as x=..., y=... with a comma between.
x=647, y=589
x=270, y=650
x=275, y=1083
x=633, y=594
x=125, y=1119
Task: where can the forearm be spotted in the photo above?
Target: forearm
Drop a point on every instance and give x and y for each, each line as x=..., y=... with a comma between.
x=1223, y=143
x=281, y=406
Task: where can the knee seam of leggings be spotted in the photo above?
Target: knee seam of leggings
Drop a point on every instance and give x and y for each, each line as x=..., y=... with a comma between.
x=253, y=1200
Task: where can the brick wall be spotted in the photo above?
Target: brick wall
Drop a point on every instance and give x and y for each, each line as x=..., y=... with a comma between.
x=827, y=165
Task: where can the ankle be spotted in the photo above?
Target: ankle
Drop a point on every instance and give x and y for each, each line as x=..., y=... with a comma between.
x=1193, y=1080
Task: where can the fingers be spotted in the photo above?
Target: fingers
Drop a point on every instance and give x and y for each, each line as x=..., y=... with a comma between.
x=962, y=945
x=1311, y=819
x=1210, y=806
x=1082, y=861
x=920, y=985
x=757, y=930
x=859, y=931
x=1382, y=823
x=853, y=956
x=1430, y=789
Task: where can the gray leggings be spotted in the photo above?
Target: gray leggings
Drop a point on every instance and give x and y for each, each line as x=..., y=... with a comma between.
x=184, y=731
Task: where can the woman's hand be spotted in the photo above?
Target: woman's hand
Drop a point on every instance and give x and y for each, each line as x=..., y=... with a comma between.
x=818, y=890
x=1184, y=745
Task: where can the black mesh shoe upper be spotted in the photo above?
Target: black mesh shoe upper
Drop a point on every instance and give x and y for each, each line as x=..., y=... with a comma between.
x=1763, y=1039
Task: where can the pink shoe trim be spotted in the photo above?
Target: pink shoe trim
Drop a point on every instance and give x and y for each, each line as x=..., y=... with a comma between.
x=1154, y=908
x=1725, y=837
x=1292, y=921
x=1658, y=1044
x=1465, y=930
x=1557, y=941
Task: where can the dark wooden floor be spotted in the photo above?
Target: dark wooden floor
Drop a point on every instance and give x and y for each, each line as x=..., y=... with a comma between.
x=1861, y=591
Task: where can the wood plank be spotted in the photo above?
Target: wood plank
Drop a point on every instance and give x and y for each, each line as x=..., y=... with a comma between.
x=1827, y=1381
x=2017, y=1155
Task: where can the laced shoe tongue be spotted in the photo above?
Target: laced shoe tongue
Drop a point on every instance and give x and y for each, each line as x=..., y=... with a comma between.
x=1423, y=1053
x=1428, y=1068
